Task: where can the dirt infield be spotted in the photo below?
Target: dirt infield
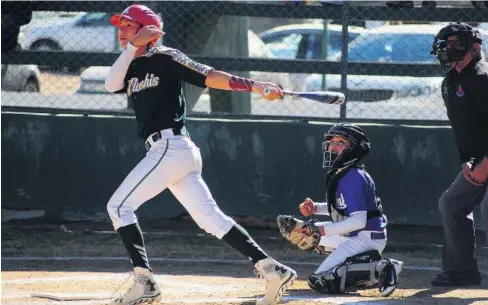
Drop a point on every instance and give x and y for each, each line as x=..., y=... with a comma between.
x=192, y=268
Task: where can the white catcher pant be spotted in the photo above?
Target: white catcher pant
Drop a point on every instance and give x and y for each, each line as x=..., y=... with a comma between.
x=344, y=247
x=173, y=162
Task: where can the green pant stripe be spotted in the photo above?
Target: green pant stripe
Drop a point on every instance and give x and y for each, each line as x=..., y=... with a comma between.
x=122, y=203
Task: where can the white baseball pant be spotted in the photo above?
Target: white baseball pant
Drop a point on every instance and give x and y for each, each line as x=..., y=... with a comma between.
x=172, y=162
x=344, y=247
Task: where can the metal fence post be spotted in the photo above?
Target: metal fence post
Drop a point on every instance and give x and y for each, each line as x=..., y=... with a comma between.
x=325, y=45
x=345, y=55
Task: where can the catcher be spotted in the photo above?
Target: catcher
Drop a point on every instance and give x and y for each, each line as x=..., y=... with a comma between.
x=355, y=238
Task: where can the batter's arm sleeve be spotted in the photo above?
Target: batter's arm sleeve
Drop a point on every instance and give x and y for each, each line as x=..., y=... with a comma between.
x=356, y=221
x=115, y=78
x=322, y=208
x=188, y=70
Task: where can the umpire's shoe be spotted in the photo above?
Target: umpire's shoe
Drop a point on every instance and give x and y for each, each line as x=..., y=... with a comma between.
x=144, y=289
x=278, y=278
x=449, y=279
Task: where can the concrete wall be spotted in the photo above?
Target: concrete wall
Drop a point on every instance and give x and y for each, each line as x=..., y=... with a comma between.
x=69, y=165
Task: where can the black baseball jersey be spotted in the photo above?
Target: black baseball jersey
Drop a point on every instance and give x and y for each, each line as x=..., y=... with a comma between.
x=466, y=97
x=154, y=87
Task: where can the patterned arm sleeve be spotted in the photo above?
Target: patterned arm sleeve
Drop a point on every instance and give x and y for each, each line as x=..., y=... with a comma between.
x=188, y=70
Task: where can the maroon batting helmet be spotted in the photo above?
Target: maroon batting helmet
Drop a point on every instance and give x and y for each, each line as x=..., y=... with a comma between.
x=140, y=14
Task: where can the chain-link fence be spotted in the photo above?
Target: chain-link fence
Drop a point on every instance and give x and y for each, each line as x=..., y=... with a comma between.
x=376, y=52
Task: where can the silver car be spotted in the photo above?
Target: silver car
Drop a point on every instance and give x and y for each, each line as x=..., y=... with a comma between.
x=21, y=78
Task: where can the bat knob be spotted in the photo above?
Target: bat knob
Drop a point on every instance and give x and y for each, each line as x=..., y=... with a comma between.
x=266, y=91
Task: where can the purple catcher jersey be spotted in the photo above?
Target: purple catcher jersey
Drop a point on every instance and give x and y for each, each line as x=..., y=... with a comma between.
x=356, y=192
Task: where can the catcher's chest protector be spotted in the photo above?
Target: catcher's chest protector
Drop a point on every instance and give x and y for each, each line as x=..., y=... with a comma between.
x=337, y=206
x=331, y=195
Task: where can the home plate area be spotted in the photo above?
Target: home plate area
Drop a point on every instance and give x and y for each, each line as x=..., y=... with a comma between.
x=91, y=288
x=238, y=287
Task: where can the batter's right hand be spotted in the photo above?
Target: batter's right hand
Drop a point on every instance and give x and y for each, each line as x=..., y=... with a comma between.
x=269, y=91
x=146, y=35
x=308, y=208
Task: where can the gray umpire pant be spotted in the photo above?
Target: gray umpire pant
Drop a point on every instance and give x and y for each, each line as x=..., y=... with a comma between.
x=456, y=208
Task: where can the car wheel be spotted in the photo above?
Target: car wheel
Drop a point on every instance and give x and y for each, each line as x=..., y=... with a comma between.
x=31, y=86
x=45, y=45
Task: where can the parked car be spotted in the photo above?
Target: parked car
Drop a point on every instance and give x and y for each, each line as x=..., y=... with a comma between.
x=21, y=78
x=84, y=32
x=402, y=44
x=304, y=41
x=411, y=4
x=93, y=78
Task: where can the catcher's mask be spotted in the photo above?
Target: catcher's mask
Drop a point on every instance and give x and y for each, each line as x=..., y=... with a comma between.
x=451, y=51
x=359, y=146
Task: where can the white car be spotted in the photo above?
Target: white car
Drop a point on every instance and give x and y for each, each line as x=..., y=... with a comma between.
x=93, y=78
x=85, y=32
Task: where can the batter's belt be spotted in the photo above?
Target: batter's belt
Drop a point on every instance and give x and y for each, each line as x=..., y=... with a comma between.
x=153, y=138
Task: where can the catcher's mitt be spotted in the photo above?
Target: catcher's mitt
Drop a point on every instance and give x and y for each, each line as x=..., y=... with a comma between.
x=292, y=230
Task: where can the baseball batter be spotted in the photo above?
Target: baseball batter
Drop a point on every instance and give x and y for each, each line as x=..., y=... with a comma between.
x=152, y=77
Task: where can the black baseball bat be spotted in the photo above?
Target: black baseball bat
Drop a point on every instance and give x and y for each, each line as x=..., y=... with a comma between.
x=326, y=97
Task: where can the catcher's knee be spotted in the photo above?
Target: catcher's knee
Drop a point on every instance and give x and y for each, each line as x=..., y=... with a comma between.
x=361, y=270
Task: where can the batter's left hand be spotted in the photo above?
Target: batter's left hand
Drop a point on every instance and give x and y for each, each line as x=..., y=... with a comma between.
x=145, y=35
x=269, y=91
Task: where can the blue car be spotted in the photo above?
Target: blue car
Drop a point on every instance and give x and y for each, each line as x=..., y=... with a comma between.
x=402, y=44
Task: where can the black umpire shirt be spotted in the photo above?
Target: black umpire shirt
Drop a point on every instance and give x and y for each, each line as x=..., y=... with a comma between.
x=154, y=87
x=466, y=97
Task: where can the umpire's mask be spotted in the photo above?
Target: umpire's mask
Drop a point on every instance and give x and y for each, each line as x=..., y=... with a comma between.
x=449, y=51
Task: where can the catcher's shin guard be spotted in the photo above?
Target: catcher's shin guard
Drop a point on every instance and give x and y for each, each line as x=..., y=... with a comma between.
x=364, y=270
x=278, y=278
x=144, y=290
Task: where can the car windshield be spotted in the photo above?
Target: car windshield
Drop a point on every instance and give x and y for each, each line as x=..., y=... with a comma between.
x=334, y=44
x=257, y=48
x=391, y=47
x=287, y=46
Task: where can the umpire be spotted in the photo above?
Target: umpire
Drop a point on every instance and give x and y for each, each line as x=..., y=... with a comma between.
x=465, y=94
